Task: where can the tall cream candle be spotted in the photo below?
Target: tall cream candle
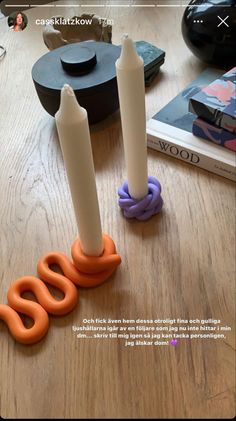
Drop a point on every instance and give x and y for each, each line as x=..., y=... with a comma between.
x=74, y=136
x=130, y=79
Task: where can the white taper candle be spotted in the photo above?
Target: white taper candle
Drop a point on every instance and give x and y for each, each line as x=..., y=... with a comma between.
x=130, y=80
x=74, y=136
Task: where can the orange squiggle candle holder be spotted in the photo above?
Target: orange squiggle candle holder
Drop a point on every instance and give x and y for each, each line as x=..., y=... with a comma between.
x=8, y=313
x=84, y=271
x=93, y=271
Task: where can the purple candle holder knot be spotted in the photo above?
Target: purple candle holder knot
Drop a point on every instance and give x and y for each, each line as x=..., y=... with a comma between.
x=141, y=209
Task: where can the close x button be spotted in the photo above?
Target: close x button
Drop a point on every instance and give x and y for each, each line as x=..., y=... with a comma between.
x=223, y=21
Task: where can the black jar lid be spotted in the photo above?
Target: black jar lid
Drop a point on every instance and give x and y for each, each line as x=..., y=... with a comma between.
x=86, y=66
x=78, y=61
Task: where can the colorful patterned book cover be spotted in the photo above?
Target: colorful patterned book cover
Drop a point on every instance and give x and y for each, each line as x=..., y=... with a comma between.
x=216, y=103
x=216, y=134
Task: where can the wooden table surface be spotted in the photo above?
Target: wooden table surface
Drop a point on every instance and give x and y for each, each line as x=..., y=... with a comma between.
x=180, y=264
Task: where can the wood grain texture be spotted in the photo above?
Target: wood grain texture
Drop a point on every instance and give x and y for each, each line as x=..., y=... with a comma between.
x=179, y=264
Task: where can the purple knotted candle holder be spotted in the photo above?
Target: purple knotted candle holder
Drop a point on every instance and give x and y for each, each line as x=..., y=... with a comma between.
x=141, y=209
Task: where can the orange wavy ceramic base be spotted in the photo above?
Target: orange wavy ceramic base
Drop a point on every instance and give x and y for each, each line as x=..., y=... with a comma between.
x=86, y=271
x=34, y=310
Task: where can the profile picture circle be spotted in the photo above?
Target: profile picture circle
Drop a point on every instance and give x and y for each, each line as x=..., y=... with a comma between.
x=17, y=21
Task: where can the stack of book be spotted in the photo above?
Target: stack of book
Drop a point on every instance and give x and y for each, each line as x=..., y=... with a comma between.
x=215, y=108
x=153, y=58
x=175, y=130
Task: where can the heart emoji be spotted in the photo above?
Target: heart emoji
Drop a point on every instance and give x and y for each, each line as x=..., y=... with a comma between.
x=173, y=342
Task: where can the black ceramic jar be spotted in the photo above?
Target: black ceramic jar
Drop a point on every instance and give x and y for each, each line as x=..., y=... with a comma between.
x=89, y=68
x=209, y=30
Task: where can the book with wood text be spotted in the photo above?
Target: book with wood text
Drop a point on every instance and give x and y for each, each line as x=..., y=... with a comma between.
x=170, y=131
